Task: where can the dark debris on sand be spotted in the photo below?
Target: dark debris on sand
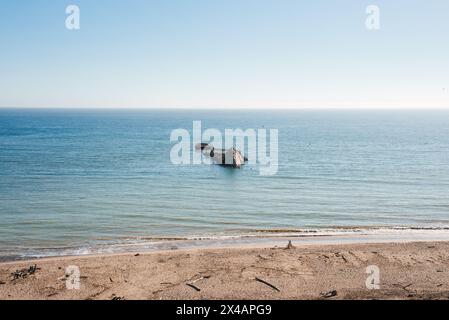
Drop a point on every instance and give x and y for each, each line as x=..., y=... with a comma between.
x=23, y=273
x=329, y=294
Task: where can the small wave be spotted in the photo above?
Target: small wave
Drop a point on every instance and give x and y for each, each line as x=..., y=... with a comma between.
x=249, y=236
x=349, y=229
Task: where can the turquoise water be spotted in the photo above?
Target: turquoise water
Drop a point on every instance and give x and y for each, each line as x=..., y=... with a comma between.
x=84, y=179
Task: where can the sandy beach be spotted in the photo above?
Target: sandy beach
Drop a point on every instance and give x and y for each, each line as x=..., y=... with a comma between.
x=407, y=271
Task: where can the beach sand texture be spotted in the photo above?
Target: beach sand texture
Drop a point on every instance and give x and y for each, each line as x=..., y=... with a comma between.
x=407, y=271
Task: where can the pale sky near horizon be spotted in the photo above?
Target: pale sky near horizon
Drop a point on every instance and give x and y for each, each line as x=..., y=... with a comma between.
x=226, y=54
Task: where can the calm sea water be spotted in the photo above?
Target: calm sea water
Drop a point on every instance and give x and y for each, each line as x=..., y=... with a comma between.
x=77, y=180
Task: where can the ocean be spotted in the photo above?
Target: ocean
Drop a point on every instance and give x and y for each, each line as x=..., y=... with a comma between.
x=86, y=181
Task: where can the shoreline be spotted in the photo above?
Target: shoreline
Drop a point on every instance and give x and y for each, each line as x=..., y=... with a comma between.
x=259, y=239
x=408, y=270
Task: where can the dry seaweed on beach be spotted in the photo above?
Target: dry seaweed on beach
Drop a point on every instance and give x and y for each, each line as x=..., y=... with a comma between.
x=23, y=273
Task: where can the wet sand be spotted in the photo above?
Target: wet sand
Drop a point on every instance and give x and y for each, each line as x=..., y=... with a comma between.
x=407, y=271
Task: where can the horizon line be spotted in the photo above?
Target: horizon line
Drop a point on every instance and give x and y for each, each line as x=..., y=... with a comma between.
x=225, y=108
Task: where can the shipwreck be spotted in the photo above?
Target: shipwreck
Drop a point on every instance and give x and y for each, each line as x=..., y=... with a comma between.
x=228, y=158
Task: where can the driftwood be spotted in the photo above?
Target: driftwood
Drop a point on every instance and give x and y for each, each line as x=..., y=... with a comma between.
x=193, y=286
x=268, y=284
x=329, y=294
x=200, y=278
x=403, y=287
x=191, y=283
x=228, y=158
x=289, y=246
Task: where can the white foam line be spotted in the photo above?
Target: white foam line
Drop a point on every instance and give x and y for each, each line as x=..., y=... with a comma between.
x=258, y=239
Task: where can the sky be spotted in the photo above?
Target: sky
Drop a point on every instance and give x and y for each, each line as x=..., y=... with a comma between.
x=224, y=54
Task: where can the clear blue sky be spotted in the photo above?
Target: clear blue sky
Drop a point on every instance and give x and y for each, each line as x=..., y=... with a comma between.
x=224, y=53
